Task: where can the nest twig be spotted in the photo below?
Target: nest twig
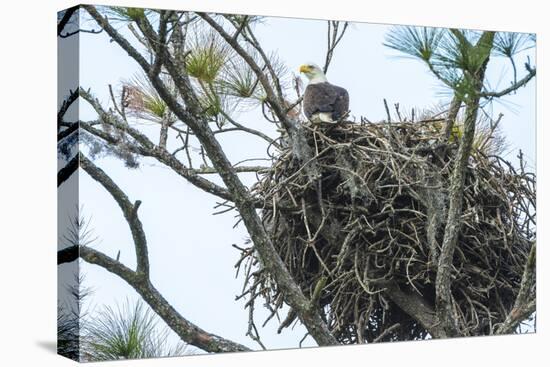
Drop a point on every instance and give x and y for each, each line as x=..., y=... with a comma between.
x=375, y=212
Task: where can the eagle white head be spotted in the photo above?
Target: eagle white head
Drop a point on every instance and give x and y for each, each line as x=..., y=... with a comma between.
x=314, y=73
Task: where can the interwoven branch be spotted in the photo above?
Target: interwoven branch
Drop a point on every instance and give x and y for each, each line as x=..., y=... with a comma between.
x=363, y=225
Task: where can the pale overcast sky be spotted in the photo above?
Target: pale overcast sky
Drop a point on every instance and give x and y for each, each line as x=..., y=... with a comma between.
x=190, y=249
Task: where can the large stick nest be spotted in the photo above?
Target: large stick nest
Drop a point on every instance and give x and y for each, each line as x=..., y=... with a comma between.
x=370, y=210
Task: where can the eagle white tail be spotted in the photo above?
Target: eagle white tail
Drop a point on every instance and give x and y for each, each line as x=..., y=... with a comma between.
x=322, y=117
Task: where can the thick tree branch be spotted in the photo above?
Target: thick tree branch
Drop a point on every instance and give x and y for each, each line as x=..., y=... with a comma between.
x=64, y=173
x=68, y=254
x=186, y=330
x=416, y=307
x=444, y=306
x=65, y=19
x=160, y=42
x=461, y=37
x=310, y=316
x=68, y=131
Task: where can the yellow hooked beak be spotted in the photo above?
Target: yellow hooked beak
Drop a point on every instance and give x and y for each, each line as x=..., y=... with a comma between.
x=304, y=69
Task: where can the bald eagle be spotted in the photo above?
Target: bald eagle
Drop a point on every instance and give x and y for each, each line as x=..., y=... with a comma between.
x=323, y=102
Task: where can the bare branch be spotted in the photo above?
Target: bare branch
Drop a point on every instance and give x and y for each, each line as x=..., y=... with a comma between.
x=241, y=27
x=128, y=209
x=69, y=34
x=211, y=170
x=513, y=87
x=73, y=96
x=388, y=115
x=525, y=303
x=120, y=110
x=333, y=39
x=241, y=127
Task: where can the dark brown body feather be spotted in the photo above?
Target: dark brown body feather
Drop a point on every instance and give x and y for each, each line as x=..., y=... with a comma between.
x=326, y=97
